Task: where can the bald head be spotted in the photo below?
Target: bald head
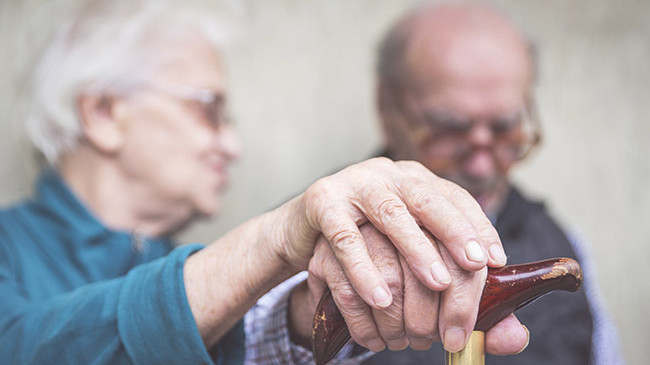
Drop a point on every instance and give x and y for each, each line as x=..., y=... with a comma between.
x=454, y=37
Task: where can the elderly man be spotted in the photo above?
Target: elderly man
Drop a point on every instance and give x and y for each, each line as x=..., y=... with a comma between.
x=128, y=109
x=455, y=93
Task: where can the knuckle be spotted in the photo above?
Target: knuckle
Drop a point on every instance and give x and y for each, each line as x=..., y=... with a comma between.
x=420, y=329
x=390, y=209
x=420, y=323
x=362, y=331
x=362, y=327
x=358, y=270
x=456, y=191
x=319, y=190
x=356, y=313
x=450, y=187
x=394, y=279
x=316, y=265
x=463, y=198
x=488, y=232
x=347, y=299
x=322, y=262
x=391, y=325
x=318, y=206
x=460, y=307
x=462, y=313
x=342, y=241
x=375, y=164
x=457, y=229
x=422, y=201
x=408, y=164
x=414, y=167
x=382, y=161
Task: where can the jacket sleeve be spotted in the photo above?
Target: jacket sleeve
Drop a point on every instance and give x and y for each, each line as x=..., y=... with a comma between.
x=142, y=318
x=605, y=346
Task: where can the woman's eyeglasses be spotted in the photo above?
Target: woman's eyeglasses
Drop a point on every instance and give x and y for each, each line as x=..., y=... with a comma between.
x=211, y=103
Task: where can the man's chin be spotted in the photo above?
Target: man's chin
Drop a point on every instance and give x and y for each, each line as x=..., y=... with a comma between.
x=488, y=193
x=476, y=187
x=481, y=190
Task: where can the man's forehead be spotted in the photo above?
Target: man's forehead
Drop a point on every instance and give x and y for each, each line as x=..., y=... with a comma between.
x=464, y=43
x=470, y=68
x=474, y=103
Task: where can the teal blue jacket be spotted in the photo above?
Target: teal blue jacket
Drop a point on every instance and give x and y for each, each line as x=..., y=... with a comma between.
x=73, y=291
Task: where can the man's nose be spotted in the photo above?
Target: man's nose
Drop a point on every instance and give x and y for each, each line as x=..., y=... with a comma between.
x=481, y=134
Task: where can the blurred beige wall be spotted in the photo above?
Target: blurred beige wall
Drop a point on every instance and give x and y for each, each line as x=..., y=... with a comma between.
x=302, y=95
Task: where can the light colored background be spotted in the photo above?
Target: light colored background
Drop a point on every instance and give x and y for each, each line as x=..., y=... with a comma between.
x=302, y=91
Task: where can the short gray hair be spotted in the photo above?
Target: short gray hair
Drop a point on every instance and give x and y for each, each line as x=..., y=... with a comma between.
x=109, y=46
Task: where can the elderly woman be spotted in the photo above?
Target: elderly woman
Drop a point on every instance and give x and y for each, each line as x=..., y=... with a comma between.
x=128, y=108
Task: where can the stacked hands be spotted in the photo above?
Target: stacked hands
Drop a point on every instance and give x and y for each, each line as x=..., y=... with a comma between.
x=404, y=253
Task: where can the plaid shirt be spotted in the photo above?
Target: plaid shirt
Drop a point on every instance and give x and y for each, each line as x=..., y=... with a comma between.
x=267, y=335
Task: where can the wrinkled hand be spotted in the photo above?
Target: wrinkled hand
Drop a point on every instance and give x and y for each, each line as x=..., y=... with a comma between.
x=398, y=198
x=417, y=316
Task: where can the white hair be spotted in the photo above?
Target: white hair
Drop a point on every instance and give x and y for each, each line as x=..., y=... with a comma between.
x=110, y=47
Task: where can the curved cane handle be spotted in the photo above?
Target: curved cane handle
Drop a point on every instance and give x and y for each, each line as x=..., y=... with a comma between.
x=506, y=289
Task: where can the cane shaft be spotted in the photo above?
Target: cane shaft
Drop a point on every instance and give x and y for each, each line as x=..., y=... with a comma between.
x=472, y=354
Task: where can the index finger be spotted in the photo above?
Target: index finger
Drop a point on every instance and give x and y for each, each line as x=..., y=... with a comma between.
x=338, y=222
x=454, y=217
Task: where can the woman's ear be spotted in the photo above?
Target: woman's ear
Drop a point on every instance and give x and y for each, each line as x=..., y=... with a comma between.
x=100, y=126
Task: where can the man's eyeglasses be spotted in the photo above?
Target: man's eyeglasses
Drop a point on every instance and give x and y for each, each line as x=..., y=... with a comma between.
x=444, y=125
x=514, y=134
x=211, y=103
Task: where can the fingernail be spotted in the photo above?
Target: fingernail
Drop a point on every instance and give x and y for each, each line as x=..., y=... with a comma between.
x=397, y=345
x=376, y=345
x=454, y=339
x=527, y=340
x=381, y=297
x=496, y=251
x=474, y=251
x=420, y=344
x=440, y=273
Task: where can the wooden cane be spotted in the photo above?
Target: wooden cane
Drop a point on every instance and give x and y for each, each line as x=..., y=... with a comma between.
x=506, y=290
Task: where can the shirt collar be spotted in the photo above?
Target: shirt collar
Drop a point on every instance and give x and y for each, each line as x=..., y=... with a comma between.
x=62, y=204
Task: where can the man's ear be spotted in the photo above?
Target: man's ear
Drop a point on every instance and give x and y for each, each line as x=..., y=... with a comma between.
x=100, y=126
x=384, y=101
x=399, y=129
x=391, y=110
x=390, y=105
